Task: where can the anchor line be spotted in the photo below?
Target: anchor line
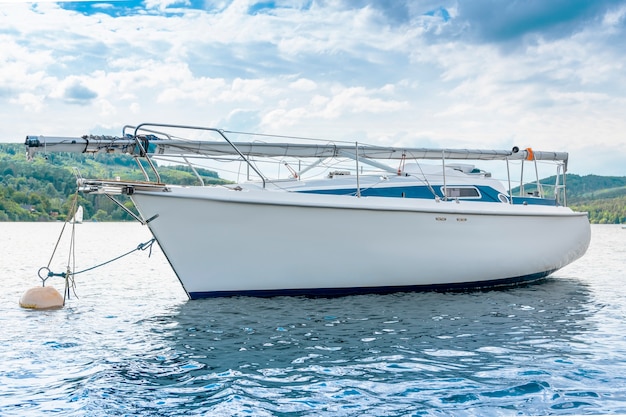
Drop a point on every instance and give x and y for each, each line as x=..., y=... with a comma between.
x=71, y=255
x=69, y=274
x=67, y=220
x=142, y=246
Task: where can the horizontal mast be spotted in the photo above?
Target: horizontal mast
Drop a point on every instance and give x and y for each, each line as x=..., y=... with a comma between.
x=177, y=147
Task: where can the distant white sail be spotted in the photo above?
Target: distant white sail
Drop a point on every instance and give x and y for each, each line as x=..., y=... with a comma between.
x=78, y=216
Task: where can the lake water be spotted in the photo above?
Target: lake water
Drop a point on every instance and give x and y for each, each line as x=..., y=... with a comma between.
x=130, y=343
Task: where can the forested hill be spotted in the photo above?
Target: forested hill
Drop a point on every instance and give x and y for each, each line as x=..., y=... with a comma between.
x=603, y=197
x=43, y=189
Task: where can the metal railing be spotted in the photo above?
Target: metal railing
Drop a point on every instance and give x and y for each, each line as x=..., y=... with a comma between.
x=147, y=127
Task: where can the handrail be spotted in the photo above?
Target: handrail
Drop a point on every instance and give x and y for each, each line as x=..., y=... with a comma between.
x=195, y=171
x=508, y=178
x=209, y=129
x=443, y=166
x=358, y=175
x=144, y=153
x=538, y=182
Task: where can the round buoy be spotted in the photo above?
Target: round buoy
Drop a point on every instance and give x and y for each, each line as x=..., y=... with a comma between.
x=41, y=298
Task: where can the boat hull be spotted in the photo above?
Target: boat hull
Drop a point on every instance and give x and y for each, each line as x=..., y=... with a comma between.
x=222, y=242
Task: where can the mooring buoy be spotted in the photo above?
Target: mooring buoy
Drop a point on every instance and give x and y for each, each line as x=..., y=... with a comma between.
x=42, y=298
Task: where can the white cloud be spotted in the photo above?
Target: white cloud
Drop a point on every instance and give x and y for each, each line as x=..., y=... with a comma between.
x=303, y=84
x=421, y=73
x=29, y=102
x=615, y=17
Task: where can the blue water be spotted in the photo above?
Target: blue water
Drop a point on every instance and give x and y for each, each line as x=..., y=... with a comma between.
x=129, y=343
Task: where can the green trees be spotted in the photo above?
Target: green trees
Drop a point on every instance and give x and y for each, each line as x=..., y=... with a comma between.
x=604, y=198
x=44, y=189
x=605, y=211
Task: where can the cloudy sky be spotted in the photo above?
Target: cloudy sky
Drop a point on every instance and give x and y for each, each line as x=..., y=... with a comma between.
x=546, y=74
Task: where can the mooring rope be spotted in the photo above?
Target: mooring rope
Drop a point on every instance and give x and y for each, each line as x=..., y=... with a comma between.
x=67, y=220
x=141, y=246
x=44, y=272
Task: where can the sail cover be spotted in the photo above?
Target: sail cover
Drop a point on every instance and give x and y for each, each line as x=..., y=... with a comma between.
x=152, y=145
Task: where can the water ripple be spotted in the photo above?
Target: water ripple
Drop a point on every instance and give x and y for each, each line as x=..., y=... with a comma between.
x=133, y=348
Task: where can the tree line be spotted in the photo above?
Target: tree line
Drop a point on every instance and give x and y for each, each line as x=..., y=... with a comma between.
x=44, y=189
x=603, y=197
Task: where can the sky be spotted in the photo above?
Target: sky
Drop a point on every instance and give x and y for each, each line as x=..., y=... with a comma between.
x=545, y=74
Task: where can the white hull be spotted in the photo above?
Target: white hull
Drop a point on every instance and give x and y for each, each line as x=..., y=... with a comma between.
x=224, y=242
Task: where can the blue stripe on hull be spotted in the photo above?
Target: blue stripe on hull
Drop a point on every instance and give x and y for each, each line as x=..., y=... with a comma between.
x=423, y=192
x=333, y=292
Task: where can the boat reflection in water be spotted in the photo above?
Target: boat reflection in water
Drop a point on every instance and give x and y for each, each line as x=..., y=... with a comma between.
x=384, y=354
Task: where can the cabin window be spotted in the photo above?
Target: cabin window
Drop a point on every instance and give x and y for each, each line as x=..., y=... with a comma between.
x=461, y=192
